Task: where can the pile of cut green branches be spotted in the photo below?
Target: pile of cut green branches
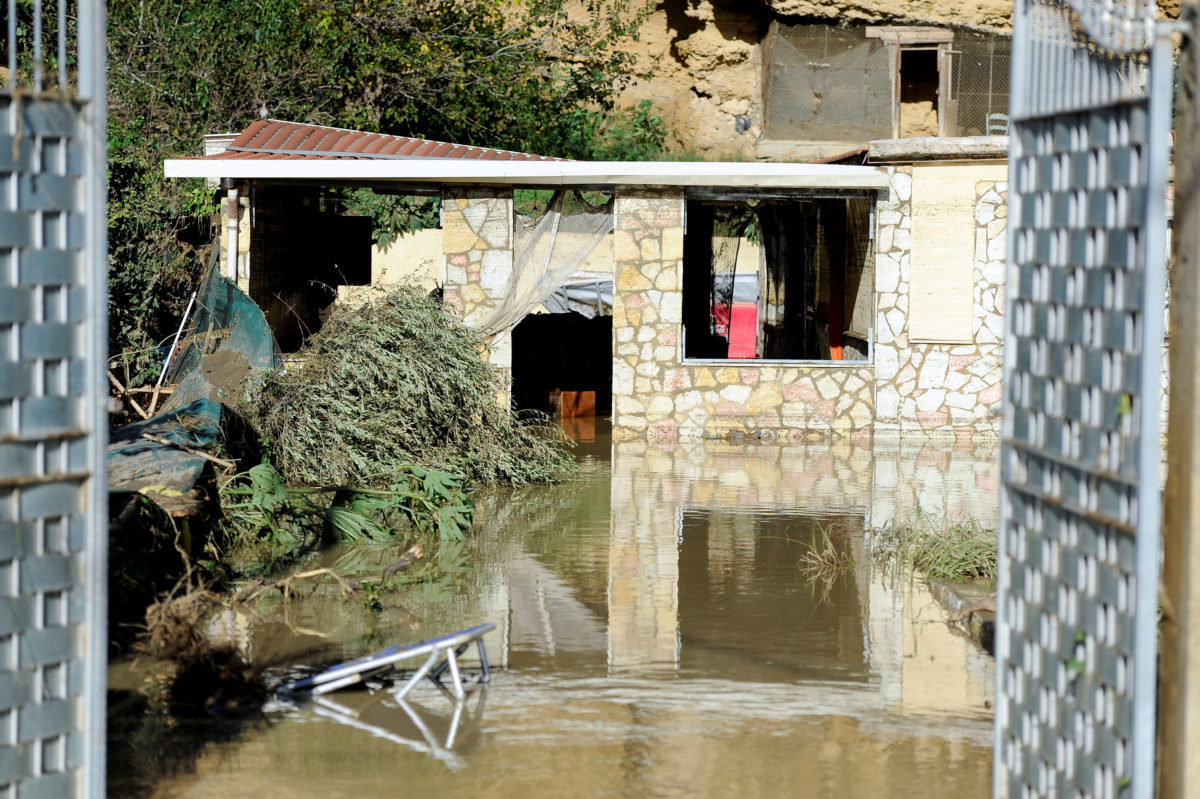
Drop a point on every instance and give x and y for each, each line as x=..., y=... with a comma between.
x=937, y=547
x=397, y=381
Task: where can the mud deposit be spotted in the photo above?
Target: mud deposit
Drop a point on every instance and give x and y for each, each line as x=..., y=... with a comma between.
x=656, y=636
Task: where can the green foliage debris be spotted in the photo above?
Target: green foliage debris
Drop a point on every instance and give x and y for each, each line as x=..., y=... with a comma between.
x=273, y=522
x=396, y=381
x=258, y=504
x=939, y=548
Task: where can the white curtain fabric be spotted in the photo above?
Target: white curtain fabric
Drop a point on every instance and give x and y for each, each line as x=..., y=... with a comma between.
x=546, y=253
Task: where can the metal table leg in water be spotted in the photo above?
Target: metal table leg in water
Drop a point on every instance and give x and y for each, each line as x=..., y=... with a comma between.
x=442, y=655
x=459, y=690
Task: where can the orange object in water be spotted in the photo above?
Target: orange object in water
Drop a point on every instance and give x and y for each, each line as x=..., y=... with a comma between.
x=580, y=428
x=572, y=403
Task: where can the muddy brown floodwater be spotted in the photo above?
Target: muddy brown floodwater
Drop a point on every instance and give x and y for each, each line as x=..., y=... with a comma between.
x=656, y=635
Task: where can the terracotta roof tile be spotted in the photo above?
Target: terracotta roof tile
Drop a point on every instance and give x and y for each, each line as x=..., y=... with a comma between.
x=857, y=156
x=279, y=140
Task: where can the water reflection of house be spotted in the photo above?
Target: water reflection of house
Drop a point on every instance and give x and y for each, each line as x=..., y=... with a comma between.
x=703, y=577
x=878, y=288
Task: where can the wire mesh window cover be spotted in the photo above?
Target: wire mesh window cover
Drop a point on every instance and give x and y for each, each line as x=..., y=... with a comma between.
x=979, y=69
x=830, y=83
x=826, y=83
x=776, y=279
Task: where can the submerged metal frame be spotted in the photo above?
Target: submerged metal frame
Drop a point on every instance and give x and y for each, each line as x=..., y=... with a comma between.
x=443, y=654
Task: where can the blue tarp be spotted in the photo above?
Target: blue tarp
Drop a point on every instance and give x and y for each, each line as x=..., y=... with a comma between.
x=136, y=463
x=227, y=344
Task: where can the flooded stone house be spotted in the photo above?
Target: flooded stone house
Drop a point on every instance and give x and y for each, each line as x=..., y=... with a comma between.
x=875, y=289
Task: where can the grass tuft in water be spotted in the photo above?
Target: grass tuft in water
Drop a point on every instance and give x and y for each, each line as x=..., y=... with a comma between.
x=939, y=548
x=829, y=554
x=826, y=559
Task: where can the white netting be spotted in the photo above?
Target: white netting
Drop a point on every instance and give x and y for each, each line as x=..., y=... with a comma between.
x=546, y=253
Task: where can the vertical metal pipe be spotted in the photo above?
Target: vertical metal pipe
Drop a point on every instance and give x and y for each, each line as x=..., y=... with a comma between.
x=12, y=45
x=1020, y=102
x=485, y=668
x=92, y=82
x=37, y=45
x=1149, y=530
x=61, y=57
x=455, y=674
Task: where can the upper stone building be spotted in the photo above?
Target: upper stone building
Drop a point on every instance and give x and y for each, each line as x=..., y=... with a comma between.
x=805, y=79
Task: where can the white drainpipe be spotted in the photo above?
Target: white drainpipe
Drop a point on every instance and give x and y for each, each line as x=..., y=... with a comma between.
x=231, y=230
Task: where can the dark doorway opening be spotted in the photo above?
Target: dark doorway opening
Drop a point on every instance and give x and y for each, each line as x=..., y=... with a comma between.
x=919, y=92
x=561, y=352
x=302, y=247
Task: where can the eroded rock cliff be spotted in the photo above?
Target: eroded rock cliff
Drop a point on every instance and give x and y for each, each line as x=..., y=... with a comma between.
x=994, y=14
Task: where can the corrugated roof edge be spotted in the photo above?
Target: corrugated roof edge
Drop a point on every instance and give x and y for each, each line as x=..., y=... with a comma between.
x=855, y=157
x=283, y=139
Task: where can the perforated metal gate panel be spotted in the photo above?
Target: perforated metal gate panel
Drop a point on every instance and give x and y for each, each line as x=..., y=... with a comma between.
x=1079, y=537
x=52, y=423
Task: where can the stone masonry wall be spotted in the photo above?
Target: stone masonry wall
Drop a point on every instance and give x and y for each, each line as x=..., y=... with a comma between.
x=477, y=247
x=939, y=389
x=656, y=394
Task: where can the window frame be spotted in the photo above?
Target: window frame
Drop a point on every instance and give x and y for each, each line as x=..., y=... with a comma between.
x=743, y=195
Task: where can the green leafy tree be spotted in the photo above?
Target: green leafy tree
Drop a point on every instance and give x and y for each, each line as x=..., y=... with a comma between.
x=538, y=76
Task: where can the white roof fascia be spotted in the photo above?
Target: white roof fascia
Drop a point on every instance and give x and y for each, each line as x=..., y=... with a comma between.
x=548, y=173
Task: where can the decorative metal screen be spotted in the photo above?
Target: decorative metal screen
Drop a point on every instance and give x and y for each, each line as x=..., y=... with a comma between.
x=1079, y=543
x=52, y=421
